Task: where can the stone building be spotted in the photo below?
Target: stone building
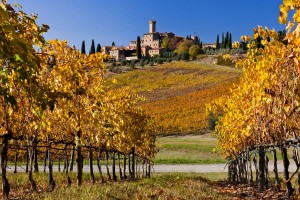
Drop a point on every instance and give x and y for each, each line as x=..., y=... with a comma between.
x=150, y=45
x=151, y=42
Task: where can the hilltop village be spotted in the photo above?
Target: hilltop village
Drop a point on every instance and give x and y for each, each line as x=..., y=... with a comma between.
x=151, y=44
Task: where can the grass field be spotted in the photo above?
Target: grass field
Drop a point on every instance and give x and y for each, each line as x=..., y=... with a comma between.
x=159, y=186
x=189, y=149
x=183, y=186
x=176, y=93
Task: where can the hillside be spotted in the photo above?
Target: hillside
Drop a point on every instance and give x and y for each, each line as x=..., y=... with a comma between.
x=176, y=93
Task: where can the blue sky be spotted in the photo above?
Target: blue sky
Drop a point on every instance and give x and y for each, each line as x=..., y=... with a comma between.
x=120, y=21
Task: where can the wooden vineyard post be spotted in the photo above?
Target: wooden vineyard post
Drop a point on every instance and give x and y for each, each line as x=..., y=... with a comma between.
x=30, y=156
x=107, y=169
x=275, y=167
x=250, y=166
x=120, y=168
x=45, y=159
x=67, y=165
x=261, y=166
x=133, y=163
x=297, y=162
x=99, y=165
x=286, y=163
x=149, y=168
x=79, y=159
x=72, y=158
x=92, y=177
x=16, y=159
x=3, y=162
x=51, y=182
x=256, y=168
x=124, y=166
x=267, y=171
x=114, y=166
x=35, y=153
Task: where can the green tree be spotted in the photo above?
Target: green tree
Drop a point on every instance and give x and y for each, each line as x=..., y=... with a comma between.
x=218, y=42
x=194, y=51
x=83, y=47
x=165, y=43
x=184, y=46
x=98, y=48
x=138, y=48
x=92, y=49
x=113, y=44
x=173, y=44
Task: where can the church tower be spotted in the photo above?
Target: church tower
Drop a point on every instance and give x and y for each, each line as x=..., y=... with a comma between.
x=152, y=26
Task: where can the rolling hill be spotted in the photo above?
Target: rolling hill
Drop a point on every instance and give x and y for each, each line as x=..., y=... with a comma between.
x=176, y=93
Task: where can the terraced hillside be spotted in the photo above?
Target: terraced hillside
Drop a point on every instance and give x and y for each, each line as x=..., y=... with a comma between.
x=176, y=93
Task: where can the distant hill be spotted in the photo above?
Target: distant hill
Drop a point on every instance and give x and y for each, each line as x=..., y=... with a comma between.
x=176, y=93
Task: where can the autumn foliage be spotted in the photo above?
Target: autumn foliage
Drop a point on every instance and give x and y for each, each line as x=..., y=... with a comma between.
x=52, y=94
x=263, y=107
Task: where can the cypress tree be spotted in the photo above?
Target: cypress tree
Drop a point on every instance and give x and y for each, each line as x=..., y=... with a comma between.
x=113, y=44
x=230, y=41
x=223, y=41
x=138, y=48
x=92, y=49
x=199, y=43
x=218, y=42
x=98, y=48
x=226, y=40
x=83, y=47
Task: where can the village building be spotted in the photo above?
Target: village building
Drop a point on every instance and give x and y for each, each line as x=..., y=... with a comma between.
x=150, y=45
x=209, y=45
x=151, y=42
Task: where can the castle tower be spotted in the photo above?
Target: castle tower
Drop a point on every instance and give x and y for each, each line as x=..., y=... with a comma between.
x=152, y=26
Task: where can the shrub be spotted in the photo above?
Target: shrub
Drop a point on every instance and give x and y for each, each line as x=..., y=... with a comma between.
x=160, y=60
x=142, y=64
x=132, y=64
x=201, y=56
x=113, y=63
x=151, y=63
x=225, y=61
x=178, y=57
x=169, y=60
x=185, y=56
x=123, y=62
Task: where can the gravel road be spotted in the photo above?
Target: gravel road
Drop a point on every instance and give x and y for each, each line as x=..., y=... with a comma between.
x=197, y=168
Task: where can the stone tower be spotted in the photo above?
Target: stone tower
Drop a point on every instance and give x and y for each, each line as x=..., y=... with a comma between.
x=152, y=26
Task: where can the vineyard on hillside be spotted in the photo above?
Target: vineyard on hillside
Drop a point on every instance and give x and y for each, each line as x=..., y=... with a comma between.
x=176, y=93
